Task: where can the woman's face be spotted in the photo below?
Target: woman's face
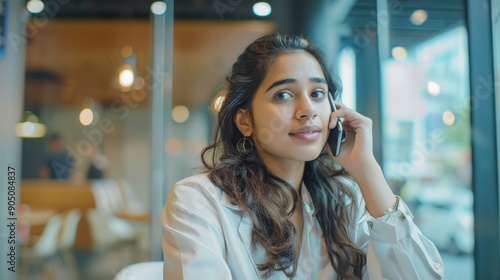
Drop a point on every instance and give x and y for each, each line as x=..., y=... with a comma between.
x=291, y=109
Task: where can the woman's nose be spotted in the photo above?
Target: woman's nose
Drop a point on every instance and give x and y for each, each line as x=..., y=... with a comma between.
x=305, y=109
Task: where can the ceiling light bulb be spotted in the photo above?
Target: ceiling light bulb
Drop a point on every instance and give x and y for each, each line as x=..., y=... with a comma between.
x=35, y=6
x=262, y=9
x=399, y=53
x=126, y=77
x=173, y=146
x=158, y=8
x=448, y=118
x=433, y=88
x=86, y=116
x=418, y=17
x=180, y=113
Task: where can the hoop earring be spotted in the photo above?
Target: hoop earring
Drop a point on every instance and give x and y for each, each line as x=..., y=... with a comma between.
x=243, y=143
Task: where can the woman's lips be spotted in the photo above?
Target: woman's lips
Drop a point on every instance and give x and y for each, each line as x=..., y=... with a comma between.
x=306, y=132
x=309, y=136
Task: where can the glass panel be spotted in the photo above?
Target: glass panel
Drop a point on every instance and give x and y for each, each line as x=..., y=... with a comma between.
x=426, y=124
x=89, y=80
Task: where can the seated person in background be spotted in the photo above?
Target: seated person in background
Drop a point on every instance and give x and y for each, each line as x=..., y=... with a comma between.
x=58, y=163
x=275, y=203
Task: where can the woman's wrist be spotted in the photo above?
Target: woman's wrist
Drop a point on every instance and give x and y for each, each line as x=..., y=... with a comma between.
x=365, y=168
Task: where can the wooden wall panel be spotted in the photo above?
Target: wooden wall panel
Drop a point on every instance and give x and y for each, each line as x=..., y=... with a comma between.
x=83, y=56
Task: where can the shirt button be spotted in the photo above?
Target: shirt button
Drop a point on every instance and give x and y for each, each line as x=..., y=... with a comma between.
x=438, y=266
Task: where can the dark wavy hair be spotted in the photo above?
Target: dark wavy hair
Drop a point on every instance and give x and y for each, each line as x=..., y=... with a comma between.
x=242, y=175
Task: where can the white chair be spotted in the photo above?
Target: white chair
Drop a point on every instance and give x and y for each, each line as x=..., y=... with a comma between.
x=47, y=244
x=66, y=242
x=141, y=271
x=69, y=229
x=132, y=203
x=109, y=195
x=43, y=251
x=107, y=230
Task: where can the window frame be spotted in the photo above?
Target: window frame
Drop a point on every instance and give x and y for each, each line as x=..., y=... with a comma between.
x=483, y=140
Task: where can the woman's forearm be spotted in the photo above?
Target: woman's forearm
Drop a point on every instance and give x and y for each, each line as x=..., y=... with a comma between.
x=376, y=192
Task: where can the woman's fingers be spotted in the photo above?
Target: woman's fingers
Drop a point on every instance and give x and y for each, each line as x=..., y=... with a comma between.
x=353, y=123
x=339, y=105
x=350, y=117
x=358, y=146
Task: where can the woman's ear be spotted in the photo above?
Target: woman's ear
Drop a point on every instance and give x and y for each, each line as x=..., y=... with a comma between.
x=243, y=122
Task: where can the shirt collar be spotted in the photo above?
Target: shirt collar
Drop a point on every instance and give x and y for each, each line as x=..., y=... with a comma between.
x=224, y=200
x=306, y=199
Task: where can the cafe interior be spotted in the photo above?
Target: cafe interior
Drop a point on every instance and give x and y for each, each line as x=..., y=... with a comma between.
x=105, y=104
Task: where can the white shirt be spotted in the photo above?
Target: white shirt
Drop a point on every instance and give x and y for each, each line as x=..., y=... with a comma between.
x=204, y=237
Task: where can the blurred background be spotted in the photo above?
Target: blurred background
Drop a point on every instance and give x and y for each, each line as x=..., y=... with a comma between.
x=106, y=103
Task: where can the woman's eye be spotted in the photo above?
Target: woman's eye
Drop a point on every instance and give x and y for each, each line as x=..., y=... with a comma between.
x=318, y=94
x=282, y=95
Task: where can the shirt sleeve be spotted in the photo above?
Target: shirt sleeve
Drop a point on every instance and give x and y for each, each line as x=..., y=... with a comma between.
x=193, y=243
x=395, y=248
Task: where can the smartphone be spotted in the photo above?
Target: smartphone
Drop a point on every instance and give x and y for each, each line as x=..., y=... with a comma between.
x=337, y=134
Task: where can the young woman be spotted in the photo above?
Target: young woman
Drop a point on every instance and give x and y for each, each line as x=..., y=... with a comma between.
x=274, y=203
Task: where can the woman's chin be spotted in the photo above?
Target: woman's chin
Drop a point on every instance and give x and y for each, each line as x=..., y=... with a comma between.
x=307, y=155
